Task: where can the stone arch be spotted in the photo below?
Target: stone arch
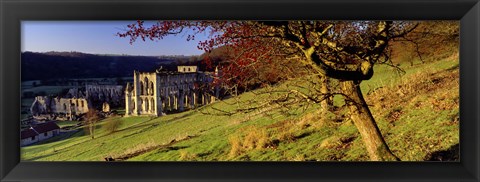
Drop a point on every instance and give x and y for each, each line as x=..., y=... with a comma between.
x=151, y=88
x=170, y=102
x=145, y=82
x=187, y=97
x=141, y=88
x=147, y=106
x=152, y=104
x=165, y=102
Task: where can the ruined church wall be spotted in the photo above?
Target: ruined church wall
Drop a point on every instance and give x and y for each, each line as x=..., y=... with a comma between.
x=158, y=92
x=111, y=94
x=40, y=105
x=187, y=69
x=145, y=95
x=71, y=105
x=47, y=105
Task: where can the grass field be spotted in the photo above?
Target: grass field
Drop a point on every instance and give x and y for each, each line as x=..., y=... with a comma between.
x=418, y=114
x=63, y=124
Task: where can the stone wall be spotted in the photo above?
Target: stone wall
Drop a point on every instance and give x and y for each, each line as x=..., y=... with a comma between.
x=99, y=94
x=187, y=69
x=45, y=108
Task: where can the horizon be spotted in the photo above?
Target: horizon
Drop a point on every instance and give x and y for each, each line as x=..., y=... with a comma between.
x=112, y=54
x=99, y=37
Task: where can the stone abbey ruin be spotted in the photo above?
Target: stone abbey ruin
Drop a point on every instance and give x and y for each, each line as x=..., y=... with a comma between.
x=161, y=91
x=151, y=93
x=76, y=102
x=56, y=108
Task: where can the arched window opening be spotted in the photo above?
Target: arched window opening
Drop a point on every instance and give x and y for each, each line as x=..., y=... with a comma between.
x=146, y=105
x=145, y=81
x=152, y=104
x=151, y=88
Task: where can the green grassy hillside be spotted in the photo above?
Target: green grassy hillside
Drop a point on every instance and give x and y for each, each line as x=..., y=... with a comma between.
x=418, y=114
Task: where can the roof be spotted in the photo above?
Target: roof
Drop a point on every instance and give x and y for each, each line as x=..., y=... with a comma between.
x=27, y=133
x=45, y=127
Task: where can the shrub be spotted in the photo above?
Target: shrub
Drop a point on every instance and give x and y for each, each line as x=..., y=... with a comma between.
x=249, y=138
x=187, y=156
x=140, y=148
x=113, y=125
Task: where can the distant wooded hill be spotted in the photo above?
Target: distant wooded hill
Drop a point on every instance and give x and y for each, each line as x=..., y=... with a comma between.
x=61, y=65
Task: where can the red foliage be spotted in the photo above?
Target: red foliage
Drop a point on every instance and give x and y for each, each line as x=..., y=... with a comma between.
x=254, y=44
x=247, y=47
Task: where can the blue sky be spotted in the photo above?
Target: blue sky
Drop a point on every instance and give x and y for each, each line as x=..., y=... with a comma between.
x=98, y=37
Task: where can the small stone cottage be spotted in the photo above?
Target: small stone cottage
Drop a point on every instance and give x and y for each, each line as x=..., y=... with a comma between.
x=38, y=133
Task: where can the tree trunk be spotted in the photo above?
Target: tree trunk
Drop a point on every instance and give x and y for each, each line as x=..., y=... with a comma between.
x=92, y=129
x=375, y=144
x=326, y=103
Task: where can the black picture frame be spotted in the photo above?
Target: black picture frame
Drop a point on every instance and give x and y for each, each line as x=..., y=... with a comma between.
x=12, y=12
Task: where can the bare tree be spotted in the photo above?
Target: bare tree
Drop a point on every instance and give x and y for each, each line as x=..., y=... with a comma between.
x=90, y=122
x=429, y=41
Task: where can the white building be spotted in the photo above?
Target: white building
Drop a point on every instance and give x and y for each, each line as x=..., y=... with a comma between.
x=39, y=132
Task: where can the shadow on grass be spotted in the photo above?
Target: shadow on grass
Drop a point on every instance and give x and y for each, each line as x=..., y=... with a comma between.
x=61, y=136
x=204, y=154
x=163, y=148
x=303, y=135
x=136, y=126
x=454, y=67
x=176, y=147
x=37, y=158
x=451, y=154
